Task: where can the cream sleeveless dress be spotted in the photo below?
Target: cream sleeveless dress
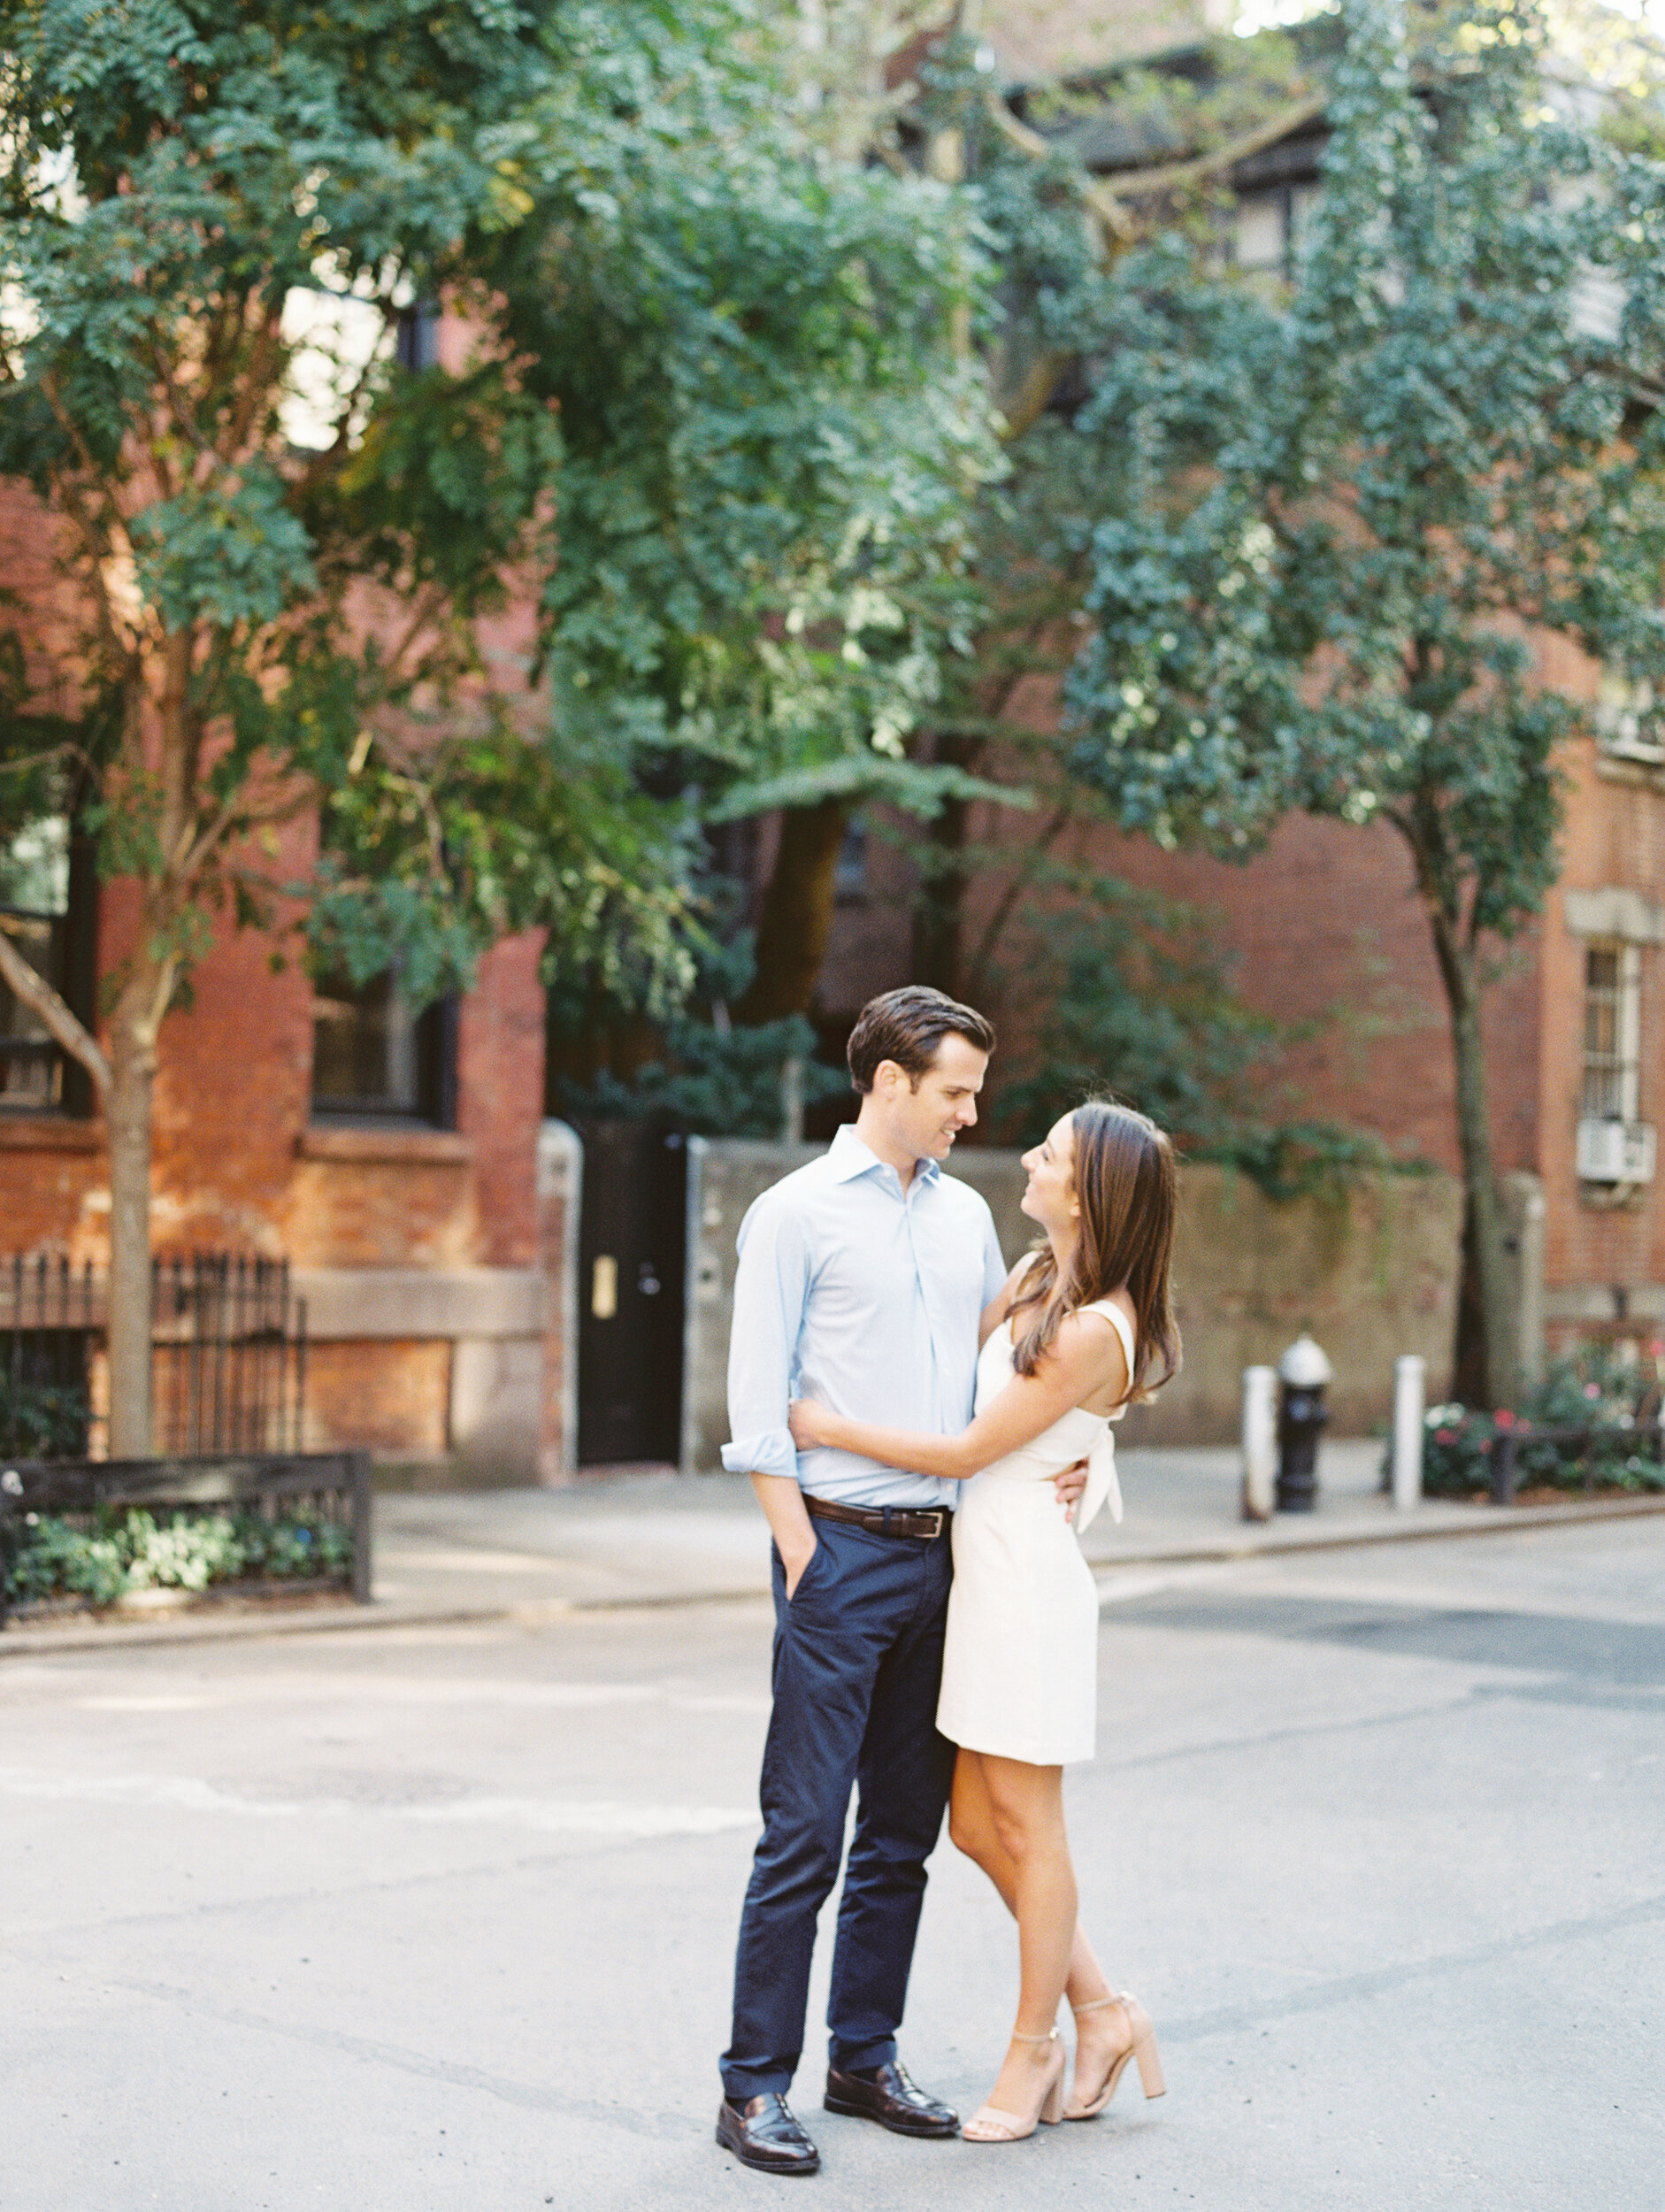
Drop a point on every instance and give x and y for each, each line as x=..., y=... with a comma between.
x=1020, y=1664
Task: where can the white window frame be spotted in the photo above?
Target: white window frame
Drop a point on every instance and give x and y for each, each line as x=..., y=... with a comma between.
x=1611, y=1086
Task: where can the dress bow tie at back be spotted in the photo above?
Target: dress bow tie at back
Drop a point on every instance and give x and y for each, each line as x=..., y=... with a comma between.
x=1101, y=1484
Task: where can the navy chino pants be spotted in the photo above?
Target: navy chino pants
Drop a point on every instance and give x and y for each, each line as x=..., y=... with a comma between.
x=857, y=1666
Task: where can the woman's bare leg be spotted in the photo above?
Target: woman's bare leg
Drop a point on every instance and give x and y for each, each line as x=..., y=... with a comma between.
x=973, y=1830
x=1101, y=2036
x=1016, y=1825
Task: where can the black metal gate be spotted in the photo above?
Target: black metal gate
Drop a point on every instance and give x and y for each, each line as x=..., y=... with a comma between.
x=632, y=1245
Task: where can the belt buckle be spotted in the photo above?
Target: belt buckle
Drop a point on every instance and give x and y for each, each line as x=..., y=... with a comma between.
x=932, y=1514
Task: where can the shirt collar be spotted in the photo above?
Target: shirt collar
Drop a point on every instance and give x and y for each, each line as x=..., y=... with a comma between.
x=850, y=1157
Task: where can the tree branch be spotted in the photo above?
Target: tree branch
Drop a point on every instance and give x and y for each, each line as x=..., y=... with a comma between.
x=1028, y=403
x=255, y=380
x=34, y=992
x=1117, y=223
x=994, y=929
x=1175, y=175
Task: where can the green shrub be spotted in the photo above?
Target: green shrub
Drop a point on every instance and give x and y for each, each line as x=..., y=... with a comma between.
x=1593, y=1387
x=124, y=1550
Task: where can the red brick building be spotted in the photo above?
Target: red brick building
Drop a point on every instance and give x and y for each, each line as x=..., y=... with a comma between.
x=393, y=1161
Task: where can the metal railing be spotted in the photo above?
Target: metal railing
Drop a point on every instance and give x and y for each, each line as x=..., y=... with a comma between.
x=1576, y=1442
x=336, y=1485
x=50, y=1318
x=228, y=1355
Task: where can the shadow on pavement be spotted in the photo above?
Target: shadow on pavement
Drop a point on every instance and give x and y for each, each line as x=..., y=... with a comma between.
x=1587, y=1653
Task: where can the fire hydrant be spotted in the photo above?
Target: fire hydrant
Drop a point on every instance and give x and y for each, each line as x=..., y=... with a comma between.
x=1304, y=1372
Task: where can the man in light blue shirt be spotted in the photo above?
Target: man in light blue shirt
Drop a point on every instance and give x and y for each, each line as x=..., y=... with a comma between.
x=861, y=1280
x=864, y=1294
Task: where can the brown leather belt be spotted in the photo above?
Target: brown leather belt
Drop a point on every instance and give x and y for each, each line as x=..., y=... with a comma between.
x=925, y=1523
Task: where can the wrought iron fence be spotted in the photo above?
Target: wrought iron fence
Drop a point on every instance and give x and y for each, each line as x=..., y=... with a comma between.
x=228, y=1358
x=228, y=1355
x=48, y=1322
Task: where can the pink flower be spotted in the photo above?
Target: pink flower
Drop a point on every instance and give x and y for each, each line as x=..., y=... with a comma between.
x=1503, y=1418
x=1592, y=1390
x=1443, y=1436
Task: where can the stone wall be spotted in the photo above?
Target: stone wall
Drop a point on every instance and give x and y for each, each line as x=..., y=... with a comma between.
x=1372, y=1270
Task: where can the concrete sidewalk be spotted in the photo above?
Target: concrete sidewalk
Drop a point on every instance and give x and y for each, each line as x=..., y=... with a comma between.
x=649, y=1537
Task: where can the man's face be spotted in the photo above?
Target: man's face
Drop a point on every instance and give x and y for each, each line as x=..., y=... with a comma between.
x=927, y=1120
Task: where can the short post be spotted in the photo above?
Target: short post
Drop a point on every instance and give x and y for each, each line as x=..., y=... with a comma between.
x=1408, y=1396
x=362, y=1509
x=792, y=1099
x=1503, y=1467
x=11, y=1489
x=1260, y=1441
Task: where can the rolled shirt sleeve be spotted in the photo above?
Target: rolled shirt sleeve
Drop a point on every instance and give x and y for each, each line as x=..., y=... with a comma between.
x=770, y=1286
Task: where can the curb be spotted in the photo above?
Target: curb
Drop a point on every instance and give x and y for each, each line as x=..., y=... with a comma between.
x=545, y=1612
x=1520, y=1517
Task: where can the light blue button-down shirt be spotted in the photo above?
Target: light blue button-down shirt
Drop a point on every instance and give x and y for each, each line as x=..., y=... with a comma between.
x=867, y=1298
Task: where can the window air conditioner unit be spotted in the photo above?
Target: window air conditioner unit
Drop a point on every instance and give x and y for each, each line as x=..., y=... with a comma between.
x=1648, y=751
x=1614, y=1152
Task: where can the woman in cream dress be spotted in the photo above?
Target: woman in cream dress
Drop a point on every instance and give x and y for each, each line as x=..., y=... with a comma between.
x=1082, y=1326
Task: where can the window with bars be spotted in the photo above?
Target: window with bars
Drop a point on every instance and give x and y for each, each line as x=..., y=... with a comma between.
x=49, y=905
x=1612, y=1047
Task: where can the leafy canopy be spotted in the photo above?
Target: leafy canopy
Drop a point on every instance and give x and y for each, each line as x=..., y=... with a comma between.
x=709, y=425
x=1337, y=519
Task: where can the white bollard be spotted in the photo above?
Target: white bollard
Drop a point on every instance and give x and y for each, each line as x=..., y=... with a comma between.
x=1260, y=1441
x=1409, y=1407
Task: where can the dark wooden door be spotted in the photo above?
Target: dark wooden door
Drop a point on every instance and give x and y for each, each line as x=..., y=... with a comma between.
x=632, y=1239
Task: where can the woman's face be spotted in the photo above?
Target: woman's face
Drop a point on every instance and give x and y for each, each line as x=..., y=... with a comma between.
x=1050, y=1196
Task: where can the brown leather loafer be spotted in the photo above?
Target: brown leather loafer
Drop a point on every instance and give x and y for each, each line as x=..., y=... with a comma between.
x=891, y=2098
x=763, y=2133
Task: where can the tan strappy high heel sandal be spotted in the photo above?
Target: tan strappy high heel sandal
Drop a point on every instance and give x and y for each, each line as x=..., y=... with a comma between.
x=1142, y=2047
x=1012, y=2127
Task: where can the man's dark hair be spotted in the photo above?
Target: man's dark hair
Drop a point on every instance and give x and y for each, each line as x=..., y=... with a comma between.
x=907, y=1026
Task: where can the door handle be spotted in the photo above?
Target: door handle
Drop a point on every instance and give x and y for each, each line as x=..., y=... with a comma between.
x=605, y=1286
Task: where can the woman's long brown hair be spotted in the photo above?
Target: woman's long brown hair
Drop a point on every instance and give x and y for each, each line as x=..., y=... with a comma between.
x=1127, y=1191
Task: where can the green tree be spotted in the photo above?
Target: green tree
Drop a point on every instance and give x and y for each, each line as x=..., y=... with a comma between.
x=702, y=424
x=1056, y=235
x=175, y=179
x=1336, y=526
x=770, y=440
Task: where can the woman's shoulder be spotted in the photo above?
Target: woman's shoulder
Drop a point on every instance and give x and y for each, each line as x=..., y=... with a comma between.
x=1118, y=1303
x=1100, y=1336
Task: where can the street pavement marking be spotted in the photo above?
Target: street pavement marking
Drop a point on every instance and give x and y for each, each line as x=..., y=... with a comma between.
x=190, y=1793
x=194, y=1702
x=424, y=1690
x=1120, y=1585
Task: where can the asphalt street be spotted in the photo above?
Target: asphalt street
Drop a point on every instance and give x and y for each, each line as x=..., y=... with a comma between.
x=419, y=1919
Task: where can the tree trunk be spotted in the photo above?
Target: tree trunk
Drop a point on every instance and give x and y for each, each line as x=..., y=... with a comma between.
x=797, y=913
x=940, y=916
x=1483, y=1361
x=132, y=1070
